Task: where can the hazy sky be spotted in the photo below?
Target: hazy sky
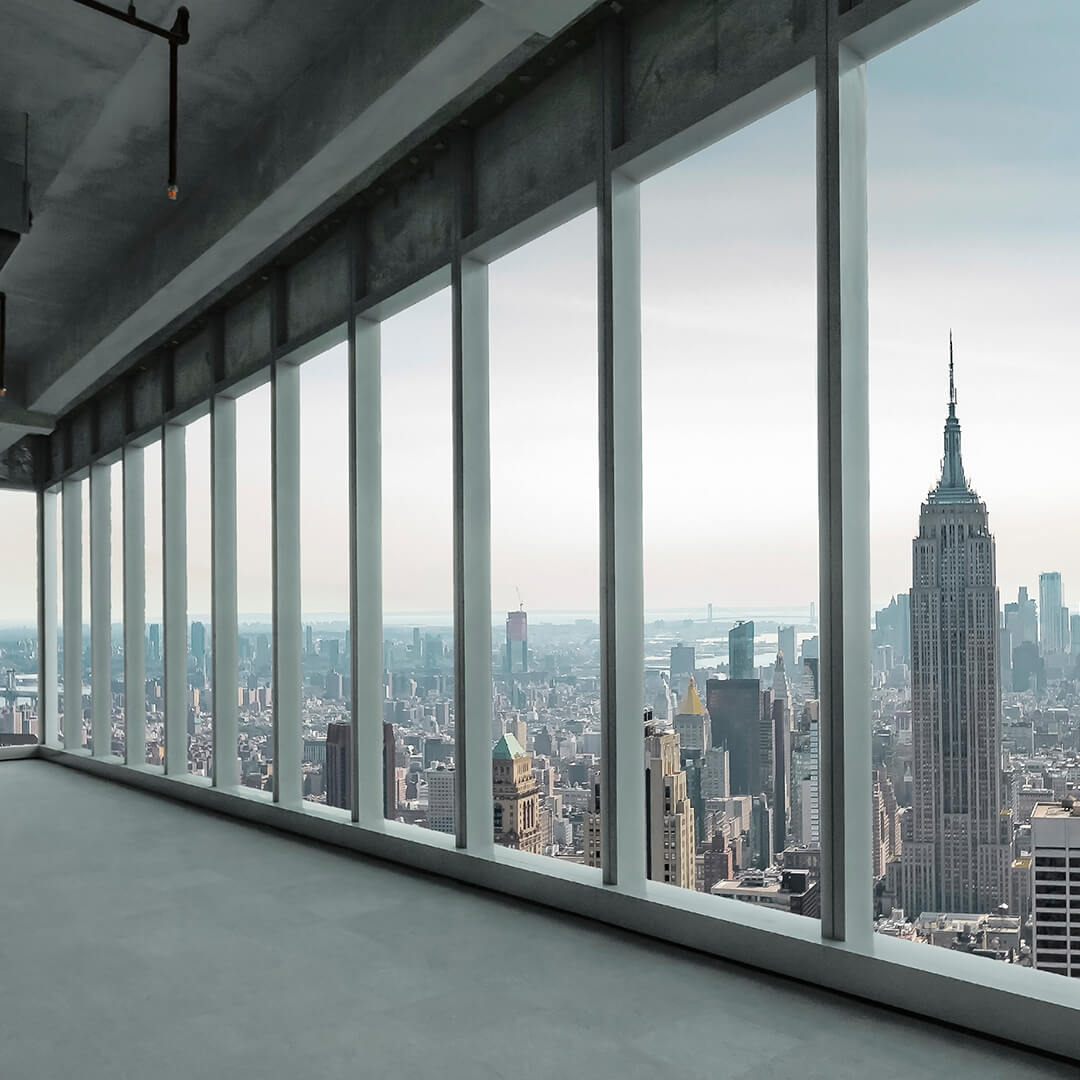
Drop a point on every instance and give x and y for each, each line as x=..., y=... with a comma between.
x=974, y=223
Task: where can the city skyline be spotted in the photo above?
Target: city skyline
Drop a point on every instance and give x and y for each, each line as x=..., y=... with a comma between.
x=954, y=236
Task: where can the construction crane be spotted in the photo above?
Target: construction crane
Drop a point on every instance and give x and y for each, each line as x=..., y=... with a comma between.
x=521, y=603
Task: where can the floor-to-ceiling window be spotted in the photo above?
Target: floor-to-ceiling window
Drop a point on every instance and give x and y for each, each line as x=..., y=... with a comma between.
x=545, y=538
x=417, y=565
x=729, y=369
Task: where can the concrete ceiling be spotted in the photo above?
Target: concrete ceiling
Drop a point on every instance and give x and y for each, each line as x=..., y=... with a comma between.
x=282, y=104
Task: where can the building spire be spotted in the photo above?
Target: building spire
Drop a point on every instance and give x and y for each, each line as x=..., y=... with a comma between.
x=952, y=382
x=953, y=484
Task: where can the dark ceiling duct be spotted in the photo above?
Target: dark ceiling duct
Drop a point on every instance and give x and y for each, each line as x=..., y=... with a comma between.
x=176, y=36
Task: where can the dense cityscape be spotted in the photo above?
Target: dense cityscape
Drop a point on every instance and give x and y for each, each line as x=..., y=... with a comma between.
x=975, y=720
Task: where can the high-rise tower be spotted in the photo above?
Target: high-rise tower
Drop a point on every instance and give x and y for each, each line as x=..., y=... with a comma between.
x=956, y=851
x=516, y=657
x=741, y=650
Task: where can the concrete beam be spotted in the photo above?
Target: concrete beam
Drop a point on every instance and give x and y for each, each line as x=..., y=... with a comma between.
x=545, y=17
x=16, y=423
x=243, y=219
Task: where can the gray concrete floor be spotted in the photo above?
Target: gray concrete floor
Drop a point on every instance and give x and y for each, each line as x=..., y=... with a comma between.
x=140, y=938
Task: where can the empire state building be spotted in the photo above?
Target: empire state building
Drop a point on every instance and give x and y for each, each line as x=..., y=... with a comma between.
x=957, y=842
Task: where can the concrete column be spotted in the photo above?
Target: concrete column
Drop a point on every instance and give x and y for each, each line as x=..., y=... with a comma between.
x=472, y=555
x=844, y=494
x=134, y=606
x=288, y=636
x=224, y=617
x=73, y=565
x=365, y=611
x=101, y=608
x=47, y=643
x=174, y=568
x=622, y=592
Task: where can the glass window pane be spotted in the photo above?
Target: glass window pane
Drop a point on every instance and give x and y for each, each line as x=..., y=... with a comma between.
x=729, y=363
x=116, y=603
x=324, y=563
x=254, y=589
x=545, y=537
x=155, y=596
x=200, y=717
x=418, y=575
x=18, y=617
x=974, y=231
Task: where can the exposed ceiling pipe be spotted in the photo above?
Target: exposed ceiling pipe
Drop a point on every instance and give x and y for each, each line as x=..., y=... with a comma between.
x=176, y=36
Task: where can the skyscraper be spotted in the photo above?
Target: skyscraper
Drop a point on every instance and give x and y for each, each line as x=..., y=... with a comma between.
x=389, y=761
x=339, y=764
x=669, y=817
x=517, y=803
x=692, y=722
x=1050, y=635
x=682, y=668
x=957, y=847
x=441, y=799
x=785, y=644
x=517, y=641
x=734, y=710
x=1055, y=849
x=1021, y=619
x=741, y=650
x=198, y=643
x=781, y=720
x=153, y=651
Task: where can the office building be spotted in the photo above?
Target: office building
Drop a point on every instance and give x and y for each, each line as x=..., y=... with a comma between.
x=441, y=796
x=681, y=668
x=517, y=804
x=669, y=817
x=781, y=735
x=892, y=627
x=715, y=774
x=692, y=721
x=1055, y=885
x=516, y=657
x=339, y=764
x=785, y=644
x=794, y=891
x=1050, y=630
x=153, y=651
x=198, y=644
x=1022, y=620
x=762, y=832
x=958, y=853
x=806, y=810
x=741, y=651
x=734, y=707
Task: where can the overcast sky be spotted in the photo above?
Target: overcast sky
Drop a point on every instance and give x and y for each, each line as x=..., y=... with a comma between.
x=974, y=223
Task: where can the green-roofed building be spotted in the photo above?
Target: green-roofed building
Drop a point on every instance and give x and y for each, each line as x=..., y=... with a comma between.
x=515, y=796
x=507, y=748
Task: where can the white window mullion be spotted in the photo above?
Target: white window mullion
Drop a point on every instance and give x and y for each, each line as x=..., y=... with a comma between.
x=288, y=637
x=224, y=617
